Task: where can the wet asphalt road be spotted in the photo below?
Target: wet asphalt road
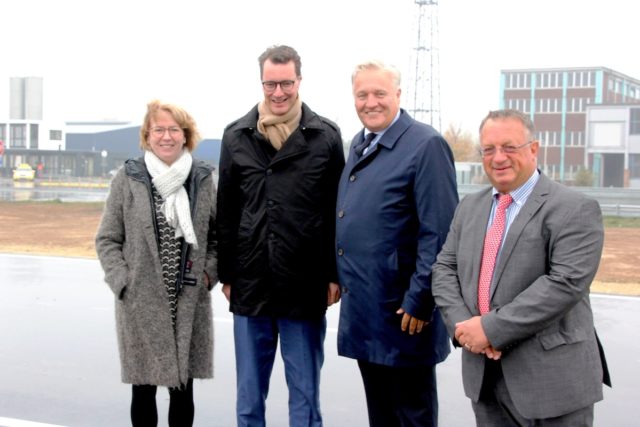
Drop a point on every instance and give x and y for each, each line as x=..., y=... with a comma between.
x=59, y=362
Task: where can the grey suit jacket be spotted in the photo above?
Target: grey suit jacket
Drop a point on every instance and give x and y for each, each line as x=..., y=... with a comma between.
x=540, y=316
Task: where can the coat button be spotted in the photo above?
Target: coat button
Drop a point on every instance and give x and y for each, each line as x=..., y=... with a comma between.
x=270, y=203
x=269, y=172
x=340, y=252
x=272, y=236
x=341, y=214
x=352, y=178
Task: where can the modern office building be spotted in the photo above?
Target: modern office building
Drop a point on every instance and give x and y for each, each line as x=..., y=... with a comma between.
x=613, y=145
x=72, y=149
x=557, y=100
x=25, y=98
x=24, y=135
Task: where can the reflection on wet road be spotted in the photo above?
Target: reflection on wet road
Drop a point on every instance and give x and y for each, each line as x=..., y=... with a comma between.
x=59, y=362
x=29, y=191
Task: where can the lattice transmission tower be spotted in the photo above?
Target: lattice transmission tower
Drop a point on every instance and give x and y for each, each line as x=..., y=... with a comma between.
x=423, y=101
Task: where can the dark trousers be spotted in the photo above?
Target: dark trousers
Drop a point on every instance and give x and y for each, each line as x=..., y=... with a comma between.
x=144, y=412
x=496, y=409
x=400, y=397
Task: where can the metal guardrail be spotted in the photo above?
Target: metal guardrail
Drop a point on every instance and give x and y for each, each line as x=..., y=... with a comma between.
x=613, y=201
x=620, y=210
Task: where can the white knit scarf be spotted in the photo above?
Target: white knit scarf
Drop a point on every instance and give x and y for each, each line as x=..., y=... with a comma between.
x=169, y=181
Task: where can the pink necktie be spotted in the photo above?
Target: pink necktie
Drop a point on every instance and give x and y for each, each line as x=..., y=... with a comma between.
x=491, y=245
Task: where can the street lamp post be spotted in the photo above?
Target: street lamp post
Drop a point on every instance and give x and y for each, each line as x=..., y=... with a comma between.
x=104, y=154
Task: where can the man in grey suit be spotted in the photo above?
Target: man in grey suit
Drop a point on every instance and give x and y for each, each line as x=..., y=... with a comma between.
x=512, y=283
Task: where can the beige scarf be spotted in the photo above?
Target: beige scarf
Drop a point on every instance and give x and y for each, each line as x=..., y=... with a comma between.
x=278, y=128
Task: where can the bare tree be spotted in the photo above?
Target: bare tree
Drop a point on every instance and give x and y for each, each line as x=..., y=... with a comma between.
x=462, y=144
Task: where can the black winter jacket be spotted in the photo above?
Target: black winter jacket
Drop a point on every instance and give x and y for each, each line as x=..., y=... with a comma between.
x=276, y=217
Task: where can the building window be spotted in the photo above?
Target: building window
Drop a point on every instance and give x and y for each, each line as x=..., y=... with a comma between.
x=33, y=136
x=55, y=135
x=634, y=121
x=575, y=138
x=634, y=165
x=3, y=132
x=18, y=136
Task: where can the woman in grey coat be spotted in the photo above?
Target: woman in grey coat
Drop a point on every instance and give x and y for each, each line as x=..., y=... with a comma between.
x=156, y=243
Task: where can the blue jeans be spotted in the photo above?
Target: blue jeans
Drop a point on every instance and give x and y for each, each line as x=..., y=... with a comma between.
x=301, y=346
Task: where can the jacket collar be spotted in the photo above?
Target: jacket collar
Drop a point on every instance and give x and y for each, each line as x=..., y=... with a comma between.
x=136, y=169
x=393, y=133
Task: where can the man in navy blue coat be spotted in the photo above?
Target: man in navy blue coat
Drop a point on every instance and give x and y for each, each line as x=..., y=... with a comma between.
x=396, y=199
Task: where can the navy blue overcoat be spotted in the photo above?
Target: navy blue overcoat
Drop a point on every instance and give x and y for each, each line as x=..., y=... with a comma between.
x=395, y=205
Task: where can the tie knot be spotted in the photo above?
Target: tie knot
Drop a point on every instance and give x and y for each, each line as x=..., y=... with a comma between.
x=367, y=141
x=370, y=138
x=504, y=200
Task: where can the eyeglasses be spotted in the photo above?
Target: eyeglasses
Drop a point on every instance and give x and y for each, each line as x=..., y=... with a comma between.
x=285, y=85
x=159, y=131
x=506, y=149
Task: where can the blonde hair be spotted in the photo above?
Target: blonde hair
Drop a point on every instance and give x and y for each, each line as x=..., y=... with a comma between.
x=184, y=120
x=377, y=66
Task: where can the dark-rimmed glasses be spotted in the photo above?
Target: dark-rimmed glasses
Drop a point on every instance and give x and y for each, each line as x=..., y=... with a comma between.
x=285, y=85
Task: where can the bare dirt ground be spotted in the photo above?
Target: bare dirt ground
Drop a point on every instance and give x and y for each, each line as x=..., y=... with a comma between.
x=68, y=229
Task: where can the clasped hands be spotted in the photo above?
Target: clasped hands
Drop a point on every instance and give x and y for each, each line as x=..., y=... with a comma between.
x=471, y=336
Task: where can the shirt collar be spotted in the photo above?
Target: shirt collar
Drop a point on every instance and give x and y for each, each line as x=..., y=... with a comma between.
x=382, y=132
x=521, y=194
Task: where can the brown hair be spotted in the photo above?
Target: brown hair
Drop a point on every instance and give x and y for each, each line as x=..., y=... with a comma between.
x=281, y=55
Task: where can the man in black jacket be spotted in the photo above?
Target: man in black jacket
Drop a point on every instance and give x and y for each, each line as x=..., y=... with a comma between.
x=279, y=171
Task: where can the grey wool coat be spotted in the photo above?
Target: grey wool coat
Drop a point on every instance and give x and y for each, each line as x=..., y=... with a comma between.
x=127, y=246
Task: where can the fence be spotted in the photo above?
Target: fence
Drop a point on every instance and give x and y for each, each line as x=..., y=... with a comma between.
x=613, y=201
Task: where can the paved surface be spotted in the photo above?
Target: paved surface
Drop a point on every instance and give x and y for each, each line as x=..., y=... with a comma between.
x=59, y=362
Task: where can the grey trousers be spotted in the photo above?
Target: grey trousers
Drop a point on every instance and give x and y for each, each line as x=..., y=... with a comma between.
x=496, y=409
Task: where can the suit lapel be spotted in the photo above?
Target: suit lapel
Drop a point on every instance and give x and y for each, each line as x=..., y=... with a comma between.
x=536, y=199
x=479, y=226
x=388, y=140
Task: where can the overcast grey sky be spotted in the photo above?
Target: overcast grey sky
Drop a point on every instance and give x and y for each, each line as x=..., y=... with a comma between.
x=106, y=60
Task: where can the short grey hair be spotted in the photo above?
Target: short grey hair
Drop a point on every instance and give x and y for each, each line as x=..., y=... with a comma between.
x=511, y=114
x=377, y=65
